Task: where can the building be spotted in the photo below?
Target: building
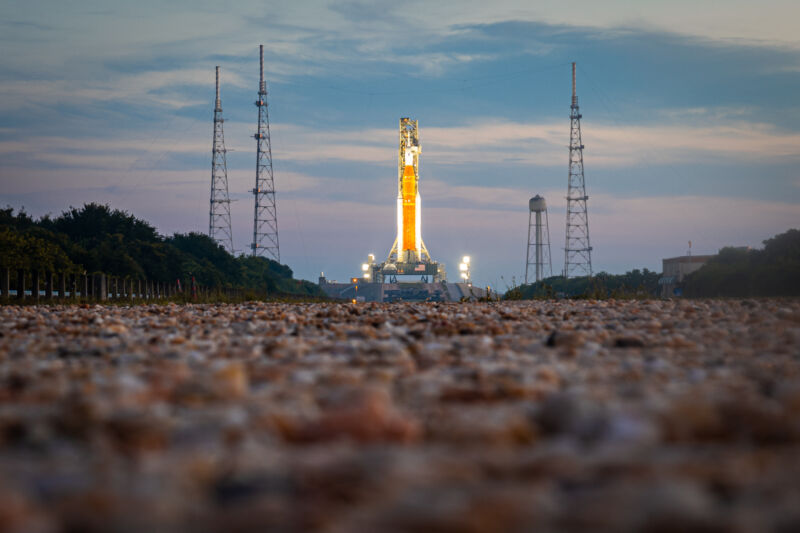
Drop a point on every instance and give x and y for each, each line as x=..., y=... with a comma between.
x=677, y=268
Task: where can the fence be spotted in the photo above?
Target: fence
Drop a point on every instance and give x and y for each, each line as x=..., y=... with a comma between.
x=36, y=286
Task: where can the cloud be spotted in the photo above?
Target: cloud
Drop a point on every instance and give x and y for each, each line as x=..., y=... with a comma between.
x=111, y=101
x=164, y=89
x=489, y=141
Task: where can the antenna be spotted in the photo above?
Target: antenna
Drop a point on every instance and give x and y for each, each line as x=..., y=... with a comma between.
x=574, y=93
x=577, y=249
x=262, y=85
x=265, y=218
x=219, y=213
x=217, y=102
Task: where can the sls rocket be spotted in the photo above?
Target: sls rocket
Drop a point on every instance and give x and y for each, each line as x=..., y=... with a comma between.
x=409, y=219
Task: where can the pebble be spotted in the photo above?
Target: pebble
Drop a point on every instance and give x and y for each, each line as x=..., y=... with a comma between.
x=664, y=415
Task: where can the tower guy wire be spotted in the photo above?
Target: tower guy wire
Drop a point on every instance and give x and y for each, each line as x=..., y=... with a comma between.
x=265, y=217
x=219, y=214
x=577, y=248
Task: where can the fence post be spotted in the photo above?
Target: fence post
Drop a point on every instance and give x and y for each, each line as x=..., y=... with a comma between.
x=35, y=286
x=97, y=289
x=6, y=282
x=48, y=285
x=20, y=284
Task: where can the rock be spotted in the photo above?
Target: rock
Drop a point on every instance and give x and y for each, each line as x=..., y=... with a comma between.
x=628, y=342
x=569, y=339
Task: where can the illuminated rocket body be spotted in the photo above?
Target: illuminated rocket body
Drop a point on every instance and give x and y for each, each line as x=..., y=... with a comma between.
x=408, y=255
x=409, y=246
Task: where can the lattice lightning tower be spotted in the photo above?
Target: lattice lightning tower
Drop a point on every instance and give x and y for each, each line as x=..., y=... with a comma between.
x=265, y=220
x=577, y=250
x=219, y=214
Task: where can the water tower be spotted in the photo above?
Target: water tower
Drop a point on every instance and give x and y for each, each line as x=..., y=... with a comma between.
x=539, y=248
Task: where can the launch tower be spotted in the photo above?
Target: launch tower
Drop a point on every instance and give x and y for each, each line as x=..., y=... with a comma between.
x=219, y=215
x=408, y=256
x=265, y=220
x=577, y=250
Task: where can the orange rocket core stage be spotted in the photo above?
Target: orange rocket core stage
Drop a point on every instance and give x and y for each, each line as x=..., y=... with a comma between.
x=409, y=208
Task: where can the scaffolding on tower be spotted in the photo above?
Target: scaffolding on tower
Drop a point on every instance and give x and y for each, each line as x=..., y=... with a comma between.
x=577, y=249
x=265, y=218
x=219, y=215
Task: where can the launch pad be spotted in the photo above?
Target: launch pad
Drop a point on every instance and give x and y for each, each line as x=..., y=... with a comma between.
x=408, y=258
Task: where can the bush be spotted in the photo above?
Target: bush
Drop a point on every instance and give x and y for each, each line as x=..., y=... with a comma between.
x=96, y=238
x=773, y=271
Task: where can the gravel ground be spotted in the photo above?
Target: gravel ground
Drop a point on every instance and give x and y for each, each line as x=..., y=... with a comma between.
x=547, y=416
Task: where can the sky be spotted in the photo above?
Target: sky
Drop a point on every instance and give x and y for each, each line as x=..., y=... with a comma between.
x=691, y=121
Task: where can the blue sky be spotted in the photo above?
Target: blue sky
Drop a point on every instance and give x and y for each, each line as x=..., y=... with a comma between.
x=690, y=120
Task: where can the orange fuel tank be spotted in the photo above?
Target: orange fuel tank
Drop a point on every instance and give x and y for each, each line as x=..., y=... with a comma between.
x=409, y=209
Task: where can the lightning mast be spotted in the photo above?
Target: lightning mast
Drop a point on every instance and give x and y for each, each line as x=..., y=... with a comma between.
x=265, y=219
x=219, y=214
x=577, y=250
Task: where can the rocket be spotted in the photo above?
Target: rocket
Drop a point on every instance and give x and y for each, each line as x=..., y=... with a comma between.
x=409, y=220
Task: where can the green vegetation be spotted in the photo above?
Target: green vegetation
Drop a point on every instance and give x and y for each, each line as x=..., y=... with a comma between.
x=736, y=272
x=95, y=238
x=773, y=271
x=634, y=284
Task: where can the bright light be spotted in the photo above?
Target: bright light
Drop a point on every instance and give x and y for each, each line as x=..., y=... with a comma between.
x=464, y=275
x=466, y=259
x=366, y=275
x=365, y=267
x=463, y=267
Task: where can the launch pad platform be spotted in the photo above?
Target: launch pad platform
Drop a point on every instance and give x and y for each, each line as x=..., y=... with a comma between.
x=362, y=291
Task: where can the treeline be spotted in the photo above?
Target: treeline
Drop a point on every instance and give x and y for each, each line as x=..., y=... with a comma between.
x=736, y=272
x=96, y=238
x=634, y=284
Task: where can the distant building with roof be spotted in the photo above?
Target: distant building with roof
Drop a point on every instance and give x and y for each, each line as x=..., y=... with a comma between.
x=675, y=269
